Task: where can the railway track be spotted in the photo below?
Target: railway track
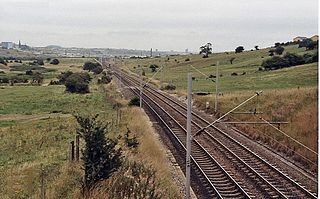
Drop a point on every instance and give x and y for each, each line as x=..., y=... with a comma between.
x=266, y=180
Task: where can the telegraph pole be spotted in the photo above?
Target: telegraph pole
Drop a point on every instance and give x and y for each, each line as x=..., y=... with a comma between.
x=188, y=136
x=216, y=99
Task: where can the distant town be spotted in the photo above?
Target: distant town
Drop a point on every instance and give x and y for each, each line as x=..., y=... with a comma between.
x=58, y=51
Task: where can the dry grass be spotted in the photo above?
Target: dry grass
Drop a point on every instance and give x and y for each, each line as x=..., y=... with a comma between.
x=297, y=106
x=149, y=152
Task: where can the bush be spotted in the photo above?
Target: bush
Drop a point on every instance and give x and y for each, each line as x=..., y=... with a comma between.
x=40, y=62
x=29, y=72
x=90, y=66
x=187, y=59
x=239, y=49
x=2, y=61
x=153, y=67
x=294, y=59
x=105, y=79
x=100, y=156
x=97, y=70
x=63, y=76
x=168, y=87
x=4, y=80
x=135, y=101
x=279, y=50
x=275, y=63
x=234, y=74
x=76, y=83
x=37, y=78
x=55, y=62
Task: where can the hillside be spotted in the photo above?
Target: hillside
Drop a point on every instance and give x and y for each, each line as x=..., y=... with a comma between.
x=245, y=64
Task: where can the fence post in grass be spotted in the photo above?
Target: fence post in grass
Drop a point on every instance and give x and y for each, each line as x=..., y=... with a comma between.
x=77, y=147
x=71, y=150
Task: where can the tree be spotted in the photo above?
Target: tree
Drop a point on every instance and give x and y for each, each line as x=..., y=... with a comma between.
x=37, y=78
x=101, y=156
x=294, y=59
x=90, y=66
x=2, y=61
x=239, y=49
x=97, y=70
x=232, y=59
x=40, y=62
x=271, y=52
x=279, y=50
x=63, y=76
x=277, y=44
x=274, y=63
x=206, y=50
x=256, y=47
x=76, y=83
x=55, y=62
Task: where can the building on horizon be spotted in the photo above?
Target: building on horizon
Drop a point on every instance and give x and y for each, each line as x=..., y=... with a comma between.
x=7, y=45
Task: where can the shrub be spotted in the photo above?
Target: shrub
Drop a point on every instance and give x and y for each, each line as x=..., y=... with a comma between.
x=100, y=155
x=77, y=83
x=279, y=50
x=63, y=76
x=90, y=66
x=4, y=80
x=97, y=70
x=135, y=101
x=48, y=59
x=29, y=72
x=37, y=78
x=239, y=49
x=275, y=63
x=168, y=87
x=234, y=74
x=2, y=61
x=187, y=59
x=40, y=62
x=130, y=142
x=294, y=59
x=105, y=79
x=153, y=67
x=55, y=62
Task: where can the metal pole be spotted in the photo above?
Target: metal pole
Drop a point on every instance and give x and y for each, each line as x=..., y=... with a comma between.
x=141, y=88
x=216, y=99
x=77, y=147
x=188, y=136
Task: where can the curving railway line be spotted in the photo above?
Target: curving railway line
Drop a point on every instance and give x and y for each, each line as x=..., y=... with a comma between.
x=222, y=166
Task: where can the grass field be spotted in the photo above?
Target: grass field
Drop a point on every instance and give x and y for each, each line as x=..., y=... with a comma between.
x=37, y=125
x=176, y=69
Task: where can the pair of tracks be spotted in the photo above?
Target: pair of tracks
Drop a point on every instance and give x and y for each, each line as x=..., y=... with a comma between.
x=219, y=181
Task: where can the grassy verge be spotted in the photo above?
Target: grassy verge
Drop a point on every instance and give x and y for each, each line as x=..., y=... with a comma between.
x=299, y=107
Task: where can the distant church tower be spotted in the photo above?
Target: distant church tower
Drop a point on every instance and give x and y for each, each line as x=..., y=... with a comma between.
x=19, y=44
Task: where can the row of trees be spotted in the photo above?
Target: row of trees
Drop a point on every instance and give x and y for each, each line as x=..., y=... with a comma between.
x=289, y=59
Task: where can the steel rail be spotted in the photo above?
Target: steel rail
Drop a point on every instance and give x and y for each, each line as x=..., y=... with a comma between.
x=199, y=145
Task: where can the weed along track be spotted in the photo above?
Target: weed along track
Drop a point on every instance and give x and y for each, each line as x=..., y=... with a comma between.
x=222, y=166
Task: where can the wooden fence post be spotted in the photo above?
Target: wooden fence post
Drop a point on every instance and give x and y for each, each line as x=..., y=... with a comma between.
x=72, y=150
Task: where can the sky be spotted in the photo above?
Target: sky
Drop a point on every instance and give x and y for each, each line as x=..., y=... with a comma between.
x=158, y=24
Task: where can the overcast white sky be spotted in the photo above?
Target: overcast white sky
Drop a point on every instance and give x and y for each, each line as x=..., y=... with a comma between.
x=160, y=24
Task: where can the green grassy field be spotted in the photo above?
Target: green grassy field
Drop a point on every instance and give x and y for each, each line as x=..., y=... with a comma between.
x=37, y=125
x=246, y=63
